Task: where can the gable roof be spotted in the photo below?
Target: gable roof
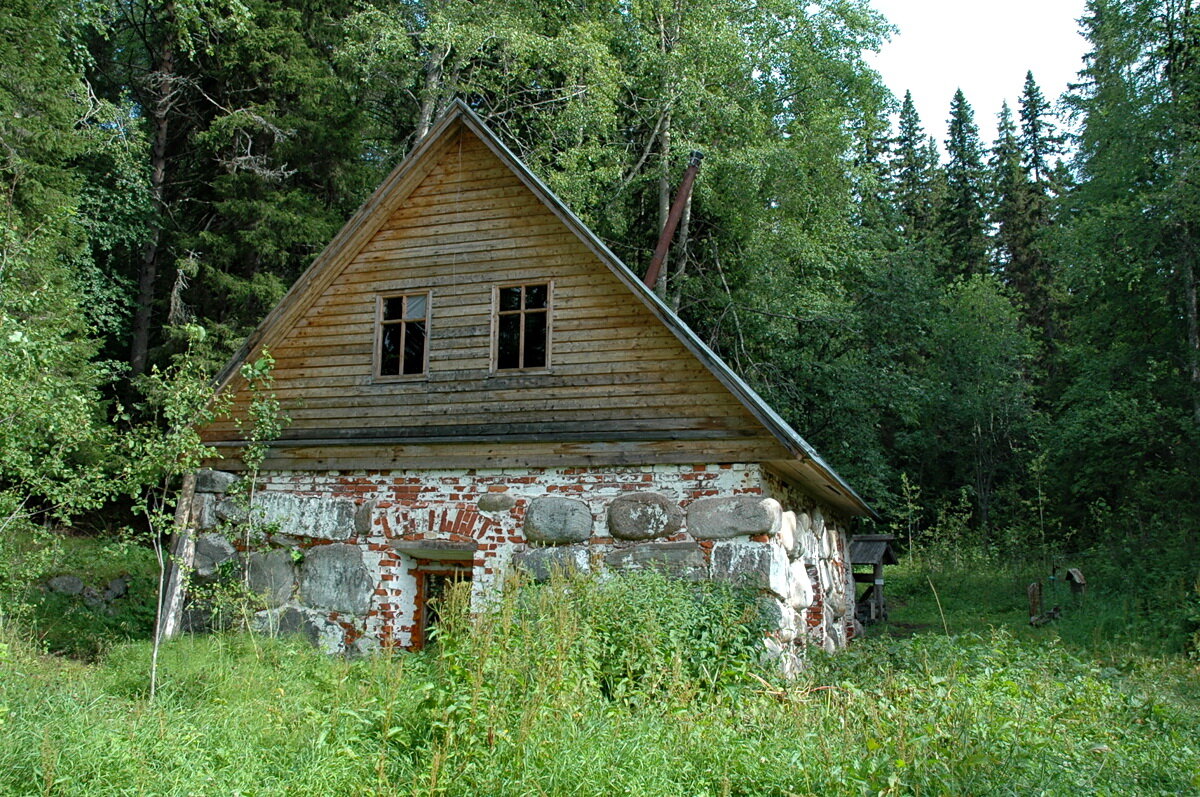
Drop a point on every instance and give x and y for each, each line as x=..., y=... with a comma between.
x=808, y=467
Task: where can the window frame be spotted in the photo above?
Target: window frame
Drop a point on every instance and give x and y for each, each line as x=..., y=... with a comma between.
x=380, y=323
x=494, y=368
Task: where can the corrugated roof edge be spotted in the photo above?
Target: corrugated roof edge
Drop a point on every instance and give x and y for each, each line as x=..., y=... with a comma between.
x=755, y=403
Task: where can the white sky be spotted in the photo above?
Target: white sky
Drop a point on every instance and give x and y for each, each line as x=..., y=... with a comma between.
x=981, y=46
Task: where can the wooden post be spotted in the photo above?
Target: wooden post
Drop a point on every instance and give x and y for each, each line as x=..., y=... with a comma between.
x=180, y=562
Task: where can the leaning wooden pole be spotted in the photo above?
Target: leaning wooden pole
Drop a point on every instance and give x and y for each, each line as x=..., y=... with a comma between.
x=664, y=240
x=179, y=563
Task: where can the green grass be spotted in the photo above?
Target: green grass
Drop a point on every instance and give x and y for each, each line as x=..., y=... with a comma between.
x=589, y=688
x=68, y=625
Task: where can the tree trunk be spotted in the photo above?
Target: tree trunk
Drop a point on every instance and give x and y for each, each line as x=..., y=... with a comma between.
x=1193, y=323
x=429, y=98
x=664, y=199
x=162, y=89
x=681, y=250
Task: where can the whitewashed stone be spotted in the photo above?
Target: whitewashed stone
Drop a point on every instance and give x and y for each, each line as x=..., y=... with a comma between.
x=212, y=551
x=335, y=577
x=677, y=559
x=752, y=564
x=825, y=546
x=365, y=645
x=643, y=516
x=364, y=514
x=778, y=617
x=835, y=603
x=800, y=594
x=555, y=520
x=318, y=517
x=725, y=517
x=542, y=563
x=782, y=656
x=829, y=543
x=807, y=546
x=787, y=533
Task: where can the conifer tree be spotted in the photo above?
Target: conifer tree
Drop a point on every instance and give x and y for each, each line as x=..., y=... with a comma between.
x=962, y=214
x=1039, y=138
x=913, y=165
x=1019, y=220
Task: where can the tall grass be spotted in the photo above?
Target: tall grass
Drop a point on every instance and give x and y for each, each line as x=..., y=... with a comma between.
x=588, y=687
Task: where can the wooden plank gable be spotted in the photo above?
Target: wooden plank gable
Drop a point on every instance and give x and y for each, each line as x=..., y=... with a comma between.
x=616, y=375
x=627, y=383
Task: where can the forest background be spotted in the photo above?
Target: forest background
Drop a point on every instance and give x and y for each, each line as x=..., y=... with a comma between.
x=999, y=343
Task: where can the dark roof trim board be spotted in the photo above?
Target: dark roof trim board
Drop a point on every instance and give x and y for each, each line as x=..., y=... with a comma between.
x=374, y=212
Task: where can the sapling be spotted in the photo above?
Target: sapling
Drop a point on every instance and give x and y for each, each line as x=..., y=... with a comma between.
x=162, y=449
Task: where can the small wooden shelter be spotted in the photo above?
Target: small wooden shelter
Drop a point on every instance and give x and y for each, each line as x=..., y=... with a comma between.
x=873, y=551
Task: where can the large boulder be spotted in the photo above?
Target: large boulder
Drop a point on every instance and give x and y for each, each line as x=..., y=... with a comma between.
x=677, y=559
x=777, y=616
x=212, y=551
x=787, y=533
x=66, y=584
x=752, y=564
x=272, y=574
x=214, y=481
x=733, y=516
x=322, y=632
x=542, y=563
x=643, y=516
x=800, y=586
x=555, y=520
x=320, y=517
x=496, y=502
x=204, y=511
x=335, y=577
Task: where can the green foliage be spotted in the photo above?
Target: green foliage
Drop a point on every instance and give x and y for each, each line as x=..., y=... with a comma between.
x=630, y=639
x=1005, y=711
x=85, y=629
x=963, y=214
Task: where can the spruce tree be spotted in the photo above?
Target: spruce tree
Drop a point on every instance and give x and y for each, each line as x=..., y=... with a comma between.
x=962, y=217
x=1019, y=220
x=913, y=166
x=1039, y=138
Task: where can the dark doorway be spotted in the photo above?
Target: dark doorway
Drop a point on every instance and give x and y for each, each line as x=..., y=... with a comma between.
x=433, y=587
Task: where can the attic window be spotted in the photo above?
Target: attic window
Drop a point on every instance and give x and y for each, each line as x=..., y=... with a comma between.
x=521, y=325
x=401, y=331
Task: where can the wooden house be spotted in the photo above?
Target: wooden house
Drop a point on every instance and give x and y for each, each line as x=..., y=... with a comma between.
x=476, y=384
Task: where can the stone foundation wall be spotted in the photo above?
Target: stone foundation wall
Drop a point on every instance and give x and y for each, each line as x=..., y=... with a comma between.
x=342, y=551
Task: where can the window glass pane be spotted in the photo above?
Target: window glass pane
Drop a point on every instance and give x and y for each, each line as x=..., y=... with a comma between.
x=416, y=307
x=510, y=298
x=509, y=341
x=389, y=350
x=535, y=340
x=414, y=347
x=535, y=296
x=393, y=308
